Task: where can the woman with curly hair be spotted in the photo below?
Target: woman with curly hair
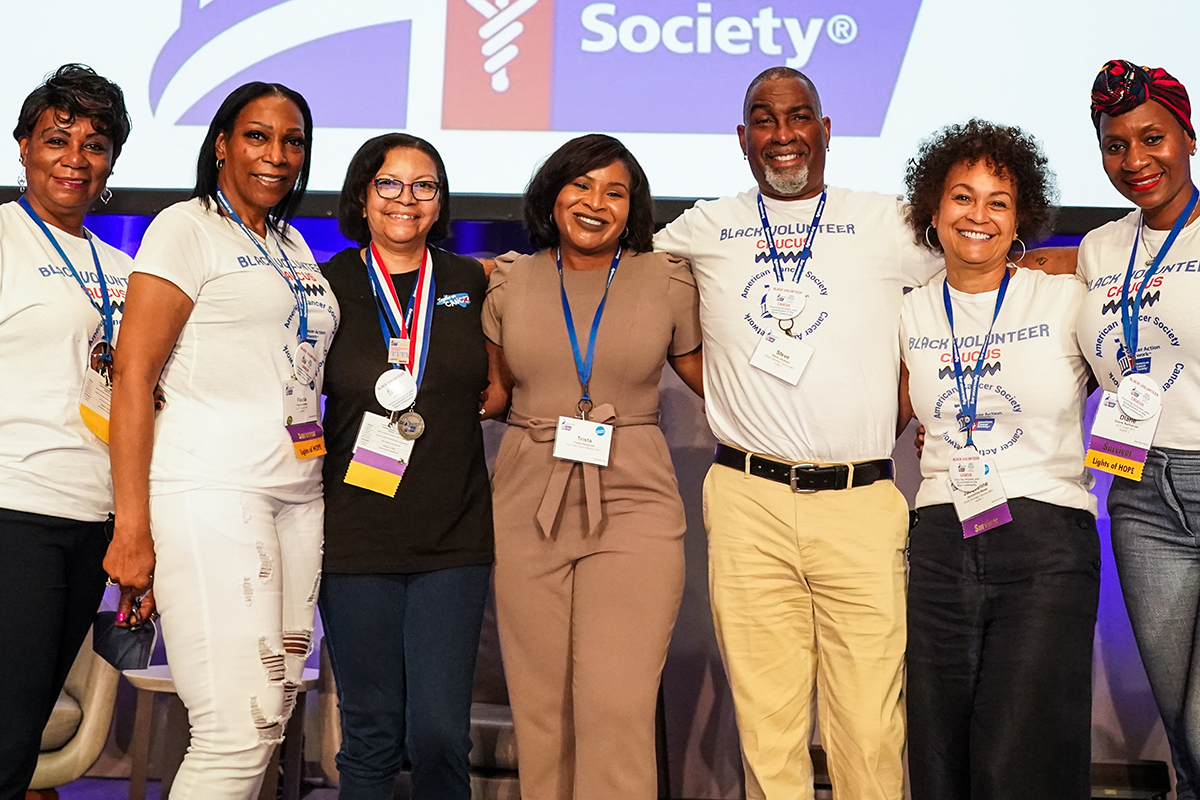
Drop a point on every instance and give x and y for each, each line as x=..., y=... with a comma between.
x=1004, y=561
x=1147, y=261
x=589, y=540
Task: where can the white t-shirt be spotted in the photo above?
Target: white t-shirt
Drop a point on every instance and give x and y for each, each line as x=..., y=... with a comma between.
x=50, y=463
x=1169, y=327
x=1032, y=390
x=844, y=406
x=222, y=426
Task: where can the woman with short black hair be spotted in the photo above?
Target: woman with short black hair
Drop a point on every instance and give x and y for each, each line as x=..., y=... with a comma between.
x=589, y=523
x=1004, y=560
x=218, y=499
x=61, y=292
x=408, y=513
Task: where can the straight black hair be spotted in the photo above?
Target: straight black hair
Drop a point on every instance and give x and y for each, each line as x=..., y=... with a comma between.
x=365, y=165
x=207, y=170
x=579, y=157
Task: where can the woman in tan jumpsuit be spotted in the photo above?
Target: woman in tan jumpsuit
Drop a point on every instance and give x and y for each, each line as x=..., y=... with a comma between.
x=589, y=559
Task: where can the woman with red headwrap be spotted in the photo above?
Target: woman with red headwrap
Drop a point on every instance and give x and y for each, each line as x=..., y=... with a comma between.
x=1141, y=334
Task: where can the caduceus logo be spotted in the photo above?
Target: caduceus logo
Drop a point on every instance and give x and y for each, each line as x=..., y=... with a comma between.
x=499, y=32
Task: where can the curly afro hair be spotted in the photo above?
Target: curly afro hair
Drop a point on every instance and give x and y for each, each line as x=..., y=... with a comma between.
x=1008, y=151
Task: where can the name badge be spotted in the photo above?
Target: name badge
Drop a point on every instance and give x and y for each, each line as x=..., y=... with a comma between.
x=583, y=440
x=301, y=417
x=1119, y=442
x=305, y=363
x=398, y=351
x=95, y=403
x=781, y=356
x=978, y=495
x=381, y=456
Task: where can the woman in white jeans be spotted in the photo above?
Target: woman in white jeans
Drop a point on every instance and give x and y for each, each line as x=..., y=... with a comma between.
x=218, y=501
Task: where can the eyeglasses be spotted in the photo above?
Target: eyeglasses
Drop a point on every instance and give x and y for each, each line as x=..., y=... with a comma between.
x=390, y=189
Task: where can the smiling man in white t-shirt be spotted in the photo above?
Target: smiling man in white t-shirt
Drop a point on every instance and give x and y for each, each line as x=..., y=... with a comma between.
x=800, y=292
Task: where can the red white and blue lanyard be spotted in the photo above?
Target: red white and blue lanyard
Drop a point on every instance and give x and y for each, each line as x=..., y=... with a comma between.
x=417, y=317
x=808, y=238
x=968, y=396
x=293, y=282
x=583, y=364
x=104, y=307
x=1129, y=321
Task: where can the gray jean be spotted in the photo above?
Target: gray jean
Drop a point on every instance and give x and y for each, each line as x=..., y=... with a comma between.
x=1156, y=543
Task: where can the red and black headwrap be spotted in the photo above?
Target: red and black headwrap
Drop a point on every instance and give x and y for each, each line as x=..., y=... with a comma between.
x=1122, y=86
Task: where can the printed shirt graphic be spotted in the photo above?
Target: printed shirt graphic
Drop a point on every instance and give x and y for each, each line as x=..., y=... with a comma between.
x=1032, y=387
x=844, y=406
x=50, y=463
x=222, y=426
x=1169, y=327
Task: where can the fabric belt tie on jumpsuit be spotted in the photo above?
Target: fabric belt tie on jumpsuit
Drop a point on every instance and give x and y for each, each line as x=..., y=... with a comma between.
x=543, y=430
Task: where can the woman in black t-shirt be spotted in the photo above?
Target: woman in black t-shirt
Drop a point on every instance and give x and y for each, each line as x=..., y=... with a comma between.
x=408, y=520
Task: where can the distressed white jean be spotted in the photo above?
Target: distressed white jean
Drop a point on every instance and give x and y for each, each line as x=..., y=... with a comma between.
x=236, y=583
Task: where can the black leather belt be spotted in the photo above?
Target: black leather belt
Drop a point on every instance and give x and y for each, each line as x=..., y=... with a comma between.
x=807, y=477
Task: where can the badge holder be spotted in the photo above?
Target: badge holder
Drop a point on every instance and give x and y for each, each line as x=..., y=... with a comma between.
x=95, y=401
x=301, y=417
x=783, y=357
x=1124, y=428
x=978, y=495
x=583, y=440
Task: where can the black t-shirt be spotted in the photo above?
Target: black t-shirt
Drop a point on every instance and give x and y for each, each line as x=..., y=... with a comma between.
x=441, y=515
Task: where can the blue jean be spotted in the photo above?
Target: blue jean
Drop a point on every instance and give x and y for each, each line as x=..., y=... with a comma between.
x=403, y=652
x=1156, y=544
x=1000, y=630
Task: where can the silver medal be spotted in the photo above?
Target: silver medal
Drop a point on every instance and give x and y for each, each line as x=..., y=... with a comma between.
x=410, y=425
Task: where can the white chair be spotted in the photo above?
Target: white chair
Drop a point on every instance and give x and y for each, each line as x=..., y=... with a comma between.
x=78, y=726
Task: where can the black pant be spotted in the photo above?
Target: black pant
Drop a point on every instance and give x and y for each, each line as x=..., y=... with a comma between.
x=51, y=582
x=1000, y=630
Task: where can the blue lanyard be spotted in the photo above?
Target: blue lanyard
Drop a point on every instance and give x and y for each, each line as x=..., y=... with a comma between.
x=583, y=365
x=1129, y=321
x=808, y=238
x=293, y=284
x=392, y=328
x=968, y=397
x=104, y=308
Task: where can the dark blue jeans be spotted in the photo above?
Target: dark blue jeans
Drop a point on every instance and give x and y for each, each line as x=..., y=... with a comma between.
x=1000, y=630
x=403, y=652
x=51, y=583
x=1156, y=544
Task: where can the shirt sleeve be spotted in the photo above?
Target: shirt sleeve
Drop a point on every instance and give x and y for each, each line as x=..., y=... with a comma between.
x=176, y=249
x=684, y=302
x=676, y=237
x=918, y=264
x=493, y=304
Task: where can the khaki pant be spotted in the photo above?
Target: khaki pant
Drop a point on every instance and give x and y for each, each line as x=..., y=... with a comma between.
x=807, y=594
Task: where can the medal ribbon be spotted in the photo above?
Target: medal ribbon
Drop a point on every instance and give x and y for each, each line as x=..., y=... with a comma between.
x=293, y=283
x=808, y=238
x=968, y=397
x=583, y=364
x=1129, y=321
x=416, y=321
x=103, y=308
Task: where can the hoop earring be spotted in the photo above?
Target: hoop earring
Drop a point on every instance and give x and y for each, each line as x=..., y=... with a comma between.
x=932, y=246
x=106, y=195
x=220, y=163
x=625, y=233
x=21, y=181
x=1023, y=251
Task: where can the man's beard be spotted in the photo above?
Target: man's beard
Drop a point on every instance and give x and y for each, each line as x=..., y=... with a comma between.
x=785, y=182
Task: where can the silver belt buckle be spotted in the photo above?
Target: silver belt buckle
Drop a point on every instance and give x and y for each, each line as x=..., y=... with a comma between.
x=792, y=477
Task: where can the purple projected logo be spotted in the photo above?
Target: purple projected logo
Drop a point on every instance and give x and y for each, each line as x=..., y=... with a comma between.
x=683, y=65
x=355, y=78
